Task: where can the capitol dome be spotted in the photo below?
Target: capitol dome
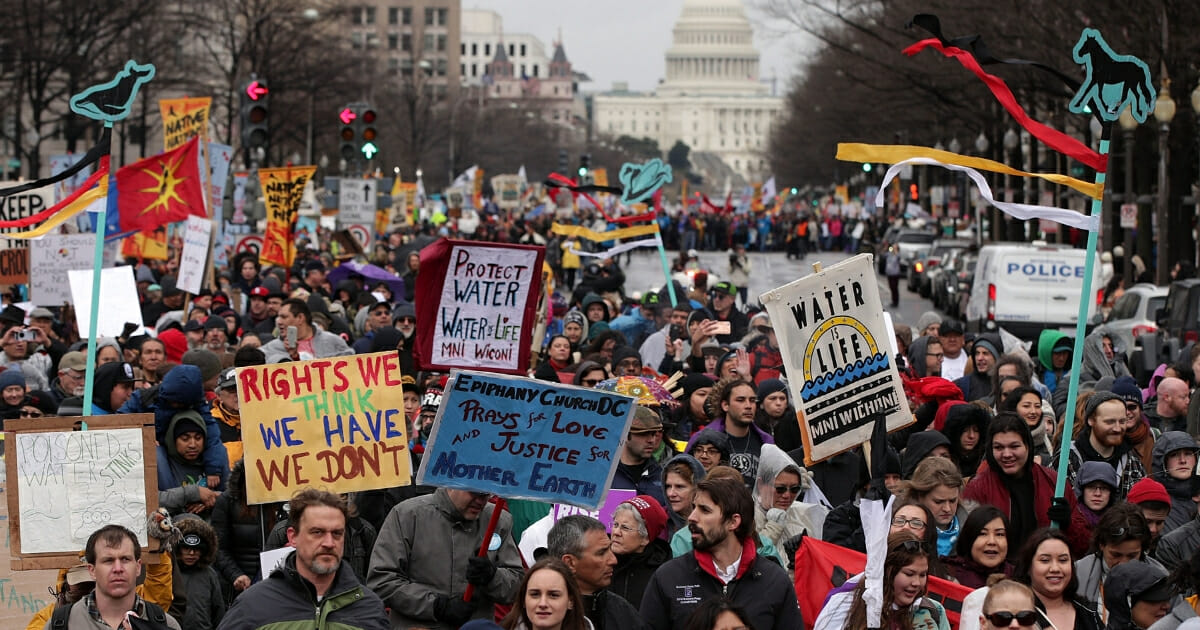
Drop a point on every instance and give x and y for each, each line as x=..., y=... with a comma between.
x=712, y=52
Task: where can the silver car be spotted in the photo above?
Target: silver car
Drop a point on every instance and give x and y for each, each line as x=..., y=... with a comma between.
x=1133, y=313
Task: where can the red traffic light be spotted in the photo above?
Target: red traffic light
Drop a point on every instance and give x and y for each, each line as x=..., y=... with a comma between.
x=368, y=117
x=255, y=89
x=257, y=114
x=347, y=116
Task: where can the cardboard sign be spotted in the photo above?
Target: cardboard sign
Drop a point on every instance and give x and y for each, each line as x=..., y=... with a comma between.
x=336, y=423
x=477, y=304
x=183, y=119
x=197, y=234
x=526, y=439
x=64, y=484
x=14, y=266
x=22, y=206
x=840, y=366
x=118, y=294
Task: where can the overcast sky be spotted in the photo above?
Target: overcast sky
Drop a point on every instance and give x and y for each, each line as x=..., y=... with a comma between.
x=625, y=40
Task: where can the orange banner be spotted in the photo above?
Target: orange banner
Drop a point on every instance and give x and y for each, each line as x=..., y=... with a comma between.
x=282, y=190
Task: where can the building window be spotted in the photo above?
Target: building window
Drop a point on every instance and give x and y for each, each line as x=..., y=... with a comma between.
x=474, y=50
x=512, y=50
x=393, y=16
x=462, y=49
x=429, y=17
x=442, y=18
x=535, y=70
x=441, y=67
x=370, y=15
x=393, y=41
x=474, y=70
x=522, y=50
x=487, y=50
x=462, y=69
x=406, y=16
x=406, y=42
x=441, y=43
x=393, y=65
x=430, y=42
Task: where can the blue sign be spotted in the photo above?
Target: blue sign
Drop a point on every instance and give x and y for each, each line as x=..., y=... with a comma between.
x=522, y=438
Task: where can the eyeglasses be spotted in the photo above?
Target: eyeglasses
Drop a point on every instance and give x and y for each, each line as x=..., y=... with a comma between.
x=785, y=489
x=706, y=450
x=406, y=320
x=26, y=413
x=590, y=382
x=624, y=528
x=1004, y=618
x=939, y=356
x=911, y=523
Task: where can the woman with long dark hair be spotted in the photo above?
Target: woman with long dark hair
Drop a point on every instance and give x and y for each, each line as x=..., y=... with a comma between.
x=1044, y=563
x=905, y=582
x=548, y=599
x=1121, y=535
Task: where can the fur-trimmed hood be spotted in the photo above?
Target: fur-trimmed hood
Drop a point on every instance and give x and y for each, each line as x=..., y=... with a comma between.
x=190, y=524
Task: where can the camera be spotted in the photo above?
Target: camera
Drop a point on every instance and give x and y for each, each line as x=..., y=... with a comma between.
x=677, y=332
x=26, y=334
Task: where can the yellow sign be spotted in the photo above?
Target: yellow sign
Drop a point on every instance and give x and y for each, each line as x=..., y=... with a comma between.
x=283, y=189
x=600, y=176
x=335, y=423
x=146, y=245
x=182, y=119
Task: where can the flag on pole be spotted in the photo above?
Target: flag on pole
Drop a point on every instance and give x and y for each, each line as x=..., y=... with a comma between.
x=768, y=189
x=161, y=189
x=283, y=190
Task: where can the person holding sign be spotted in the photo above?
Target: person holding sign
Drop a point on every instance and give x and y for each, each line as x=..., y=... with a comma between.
x=425, y=556
x=315, y=587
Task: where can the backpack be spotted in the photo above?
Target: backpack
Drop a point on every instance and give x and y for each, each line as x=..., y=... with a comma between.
x=62, y=615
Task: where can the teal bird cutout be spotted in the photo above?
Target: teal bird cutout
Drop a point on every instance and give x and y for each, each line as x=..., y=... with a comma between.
x=109, y=102
x=641, y=180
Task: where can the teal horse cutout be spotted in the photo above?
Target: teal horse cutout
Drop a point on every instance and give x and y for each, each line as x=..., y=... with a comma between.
x=1112, y=81
x=109, y=102
x=641, y=180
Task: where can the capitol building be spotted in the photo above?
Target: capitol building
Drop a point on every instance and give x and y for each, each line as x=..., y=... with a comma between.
x=712, y=97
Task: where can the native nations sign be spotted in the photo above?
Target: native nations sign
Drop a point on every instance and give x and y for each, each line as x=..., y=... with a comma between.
x=481, y=302
x=526, y=439
x=336, y=422
x=834, y=343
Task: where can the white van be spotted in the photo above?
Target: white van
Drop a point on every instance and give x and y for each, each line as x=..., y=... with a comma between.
x=1025, y=288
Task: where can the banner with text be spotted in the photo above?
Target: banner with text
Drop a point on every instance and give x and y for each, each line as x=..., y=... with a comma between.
x=183, y=119
x=522, y=438
x=838, y=357
x=282, y=190
x=337, y=423
x=480, y=302
x=22, y=206
x=50, y=258
x=193, y=262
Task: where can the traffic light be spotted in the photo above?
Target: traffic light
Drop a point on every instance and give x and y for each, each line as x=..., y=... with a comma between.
x=585, y=162
x=866, y=167
x=255, y=114
x=367, y=120
x=913, y=193
x=347, y=117
x=562, y=161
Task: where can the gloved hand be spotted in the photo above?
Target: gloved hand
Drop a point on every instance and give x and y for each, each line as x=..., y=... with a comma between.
x=791, y=546
x=452, y=610
x=1060, y=513
x=776, y=515
x=480, y=571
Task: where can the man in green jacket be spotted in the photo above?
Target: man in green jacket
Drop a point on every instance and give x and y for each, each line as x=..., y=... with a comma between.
x=314, y=589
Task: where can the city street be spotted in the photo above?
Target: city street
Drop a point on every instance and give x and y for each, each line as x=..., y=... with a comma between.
x=768, y=271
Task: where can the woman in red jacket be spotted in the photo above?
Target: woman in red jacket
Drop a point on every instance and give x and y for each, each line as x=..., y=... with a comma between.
x=1022, y=489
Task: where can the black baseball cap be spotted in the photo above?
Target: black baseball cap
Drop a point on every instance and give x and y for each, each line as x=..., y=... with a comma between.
x=950, y=327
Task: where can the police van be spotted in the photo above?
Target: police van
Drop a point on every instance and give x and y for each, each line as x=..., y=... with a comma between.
x=1027, y=287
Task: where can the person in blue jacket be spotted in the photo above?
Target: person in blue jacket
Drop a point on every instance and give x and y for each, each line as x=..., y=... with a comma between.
x=183, y=388
x=111, y=387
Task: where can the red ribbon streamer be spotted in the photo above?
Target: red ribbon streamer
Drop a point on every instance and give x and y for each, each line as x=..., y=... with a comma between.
x=1056, y=140
x=571, y=184
x=58, y=207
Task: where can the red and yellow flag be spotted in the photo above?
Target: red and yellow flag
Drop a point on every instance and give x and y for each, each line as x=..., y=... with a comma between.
x=161, y=189
x=183, y=119
x=282, y=189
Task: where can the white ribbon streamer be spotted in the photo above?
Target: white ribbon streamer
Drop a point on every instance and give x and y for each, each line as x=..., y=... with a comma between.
x=876, y=521
x=622, y=248
x=1021, y=211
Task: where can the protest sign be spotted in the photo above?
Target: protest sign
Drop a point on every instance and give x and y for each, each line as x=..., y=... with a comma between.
x=193, y=261
x=49, y=258
x=183, y=118
x=336, y=422
x=356, y=202
x=146, y=245
x=118, y=294
x=14, y=266
x=282, y=189
x=63, y=484
x=22, y=206
x=526, y=439
x=480, y=302
x=840, y=366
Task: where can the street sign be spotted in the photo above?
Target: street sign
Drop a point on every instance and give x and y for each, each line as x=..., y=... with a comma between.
x=356, y=202
x=1129, y=215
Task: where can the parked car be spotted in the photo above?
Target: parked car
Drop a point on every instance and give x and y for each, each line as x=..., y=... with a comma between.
x=925, y=266
x=1133, y=314
x=912, y=243
x=1178, y=323
x=951, y=277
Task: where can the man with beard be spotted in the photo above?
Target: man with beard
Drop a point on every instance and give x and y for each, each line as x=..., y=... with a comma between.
x=424, y=558
x=723, y=561
x=404, y=318
x=739, y=404
x=314, y=581
x=1104, y=441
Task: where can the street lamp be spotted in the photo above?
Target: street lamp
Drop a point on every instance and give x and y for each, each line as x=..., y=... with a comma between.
x=1128, y=125
x=1164, y=112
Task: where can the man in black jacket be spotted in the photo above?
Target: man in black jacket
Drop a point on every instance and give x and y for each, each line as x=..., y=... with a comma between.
x=313, y=579
x=723, y=561
x=583, y=545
